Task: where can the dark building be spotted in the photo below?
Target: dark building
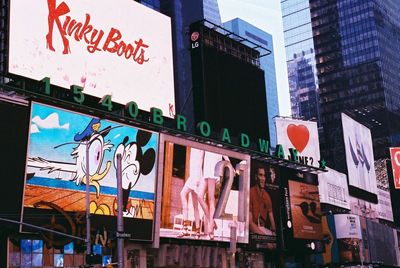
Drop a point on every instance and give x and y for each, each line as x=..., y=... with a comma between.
x=228, y=83
x=356, y=48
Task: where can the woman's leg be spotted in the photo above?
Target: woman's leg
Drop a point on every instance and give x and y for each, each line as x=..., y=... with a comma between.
x=211, y=202
x=203, y=204
x=184, y=200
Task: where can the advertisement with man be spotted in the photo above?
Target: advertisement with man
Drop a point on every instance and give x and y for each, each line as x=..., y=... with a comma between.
x=306, y=210
x=264, y=216
x=205, y=192
x=65, y=148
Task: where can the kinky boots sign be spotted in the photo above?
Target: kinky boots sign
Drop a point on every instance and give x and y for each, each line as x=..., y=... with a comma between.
x=96, y=39
x=123, y=50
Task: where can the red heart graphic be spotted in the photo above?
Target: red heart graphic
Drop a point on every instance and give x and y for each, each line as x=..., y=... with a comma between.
x=298, y=136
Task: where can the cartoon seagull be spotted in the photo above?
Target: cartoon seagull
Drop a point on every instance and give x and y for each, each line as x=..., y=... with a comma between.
x=92, y=138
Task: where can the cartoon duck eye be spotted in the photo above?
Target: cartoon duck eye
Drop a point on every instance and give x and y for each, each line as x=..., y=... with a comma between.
x=95, y=156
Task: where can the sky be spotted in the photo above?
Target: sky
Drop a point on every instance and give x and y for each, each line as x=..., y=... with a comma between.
x=266, y=15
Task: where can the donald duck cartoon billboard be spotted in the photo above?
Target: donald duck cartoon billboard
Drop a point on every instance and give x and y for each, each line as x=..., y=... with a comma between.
x=60, y=142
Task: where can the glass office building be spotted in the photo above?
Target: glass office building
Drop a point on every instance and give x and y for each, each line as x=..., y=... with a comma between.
x=267, y=64
x=300, y=57
x=356, y=48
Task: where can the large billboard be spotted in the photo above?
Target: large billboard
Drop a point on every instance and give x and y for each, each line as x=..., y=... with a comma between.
x=123, y=50
x=64, y=147
x=359, y=155
x=306, y=210
x=265, y=201
x=333, y=188
x=205, y=192
x=300, y=135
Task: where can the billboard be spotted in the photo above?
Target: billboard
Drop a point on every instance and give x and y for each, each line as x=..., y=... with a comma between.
x=395, y=158
x=301, y=135
x=333, y=188
x=384, y=207
x=359, y=155
x=205, y=192
x=363, y=208
x=265, y=200
x=382, y=246
x=64, y=147
x=108, y=49
x=306, y=210
x=349, y=238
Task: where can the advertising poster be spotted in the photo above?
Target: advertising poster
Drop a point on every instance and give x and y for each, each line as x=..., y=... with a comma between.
x=306, y=210
x=103, y=47
x=384, y=207
x=359, y=155
x=349, y=237
x=265, y=200
x=363, y=208
x=64, y=147
x=333, y=188
x=204, y=193
x=301, y=135
x=395, y=158
x=331, y=253
x=382, y=246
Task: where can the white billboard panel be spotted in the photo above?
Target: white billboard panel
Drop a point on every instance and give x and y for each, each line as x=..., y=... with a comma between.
x=121, y=49
x=301, y=135
x=359, y=155
x=333, y=188
x=347, y=226
x=384, y=201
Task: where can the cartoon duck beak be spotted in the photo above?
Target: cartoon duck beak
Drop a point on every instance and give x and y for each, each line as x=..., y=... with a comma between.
x=94, y=179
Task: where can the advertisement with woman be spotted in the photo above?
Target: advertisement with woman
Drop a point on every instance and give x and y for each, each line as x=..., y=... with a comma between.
x=204, y=192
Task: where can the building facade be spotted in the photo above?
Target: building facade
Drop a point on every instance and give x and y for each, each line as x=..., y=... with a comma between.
x=300, y=58
x=267, y=63
x=356, y=44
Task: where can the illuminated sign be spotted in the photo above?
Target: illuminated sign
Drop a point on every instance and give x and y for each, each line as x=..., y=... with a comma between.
x=265, y=200
x=204, y=192
x=64, y=147
x=300, y=135
x=359, y=155
x=395, y=158
x=306, y=210
x=333, y=188
x=123, y=50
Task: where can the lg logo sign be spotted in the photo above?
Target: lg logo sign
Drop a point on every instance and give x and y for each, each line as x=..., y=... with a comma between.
x=194, y=37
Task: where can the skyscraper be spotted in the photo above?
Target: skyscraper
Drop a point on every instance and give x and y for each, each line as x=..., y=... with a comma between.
x=356, y=49
x=300, y=57
x=267, y=63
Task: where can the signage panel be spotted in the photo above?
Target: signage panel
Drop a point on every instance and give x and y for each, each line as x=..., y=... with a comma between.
x=333, y=188
x=359, y=155
x=265, y=200
x=300, y=135
x=204, y=193
x=65, y=146
x=123, y=50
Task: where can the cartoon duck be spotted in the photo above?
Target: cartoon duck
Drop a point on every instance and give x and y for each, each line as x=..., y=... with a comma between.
x=91, y=139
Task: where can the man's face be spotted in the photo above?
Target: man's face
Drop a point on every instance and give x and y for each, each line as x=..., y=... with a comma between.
x=261, y=178
x=272, y=174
